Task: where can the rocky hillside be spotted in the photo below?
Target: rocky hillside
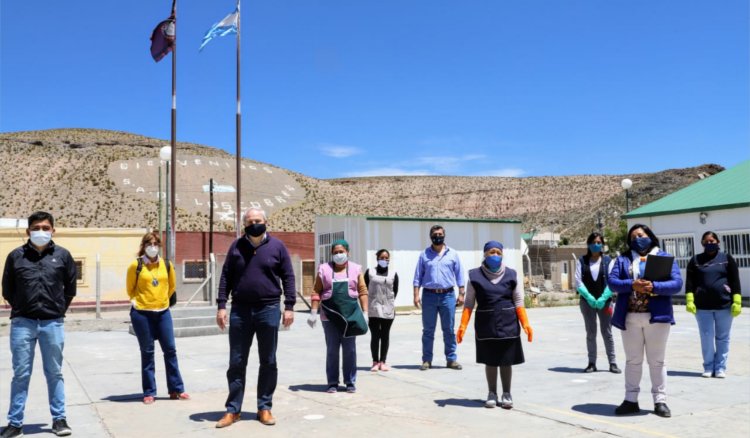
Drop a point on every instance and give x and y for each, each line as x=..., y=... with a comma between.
x=65, y=171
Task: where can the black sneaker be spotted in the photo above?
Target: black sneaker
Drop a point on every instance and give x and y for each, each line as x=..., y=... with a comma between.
x=662, y=410
x=613, y=368
x=627, y=407
x=60, y=427
x=11, y=432
x=590, y=369
x=454, y=365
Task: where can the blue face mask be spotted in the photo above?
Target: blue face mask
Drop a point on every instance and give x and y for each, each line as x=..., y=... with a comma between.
x=595, y=247
x=493, y=262
x=711, y=247
x=640, y=244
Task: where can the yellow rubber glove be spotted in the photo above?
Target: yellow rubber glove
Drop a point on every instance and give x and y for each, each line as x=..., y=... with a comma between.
x=736, y=304
x=690, y=303
x=524, y=320
x=465, y=317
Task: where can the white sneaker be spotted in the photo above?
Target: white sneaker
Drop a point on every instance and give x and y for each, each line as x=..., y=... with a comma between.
x=721, y=375
x=491, y=400
x=506, y=401
x=706, y=374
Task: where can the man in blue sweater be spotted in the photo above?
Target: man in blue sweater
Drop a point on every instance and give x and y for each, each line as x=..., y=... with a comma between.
x=255, y=266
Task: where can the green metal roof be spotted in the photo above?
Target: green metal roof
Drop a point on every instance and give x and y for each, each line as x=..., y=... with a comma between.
x=426, y=219
x=727, y=189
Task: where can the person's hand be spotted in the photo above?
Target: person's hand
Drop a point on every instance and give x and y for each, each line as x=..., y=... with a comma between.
x=690, y=303
x=222, y=319
x=736, y=305
x=460, y=334
x=529, y=332
x=586, y=295
x=524, y=320
x=416, y=301
x=648, y=287
x=313, y=318
x=640, y=286
x=600, y=302
x=288, y=319
x=460, y=299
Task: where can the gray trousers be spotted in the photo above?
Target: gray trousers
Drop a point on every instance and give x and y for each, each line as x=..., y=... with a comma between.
x=605, y=325
x=640, y=335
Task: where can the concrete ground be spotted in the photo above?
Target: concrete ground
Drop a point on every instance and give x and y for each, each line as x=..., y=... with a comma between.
x=552, y=397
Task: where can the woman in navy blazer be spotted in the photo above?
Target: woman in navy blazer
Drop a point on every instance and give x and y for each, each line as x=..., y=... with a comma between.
x=643, y=312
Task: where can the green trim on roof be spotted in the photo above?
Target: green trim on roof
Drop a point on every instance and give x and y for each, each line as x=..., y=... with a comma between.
x=725, y=190
x=429, y=219
x=435, y=219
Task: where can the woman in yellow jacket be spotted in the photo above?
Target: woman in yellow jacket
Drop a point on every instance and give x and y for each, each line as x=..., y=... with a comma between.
x=149, y=287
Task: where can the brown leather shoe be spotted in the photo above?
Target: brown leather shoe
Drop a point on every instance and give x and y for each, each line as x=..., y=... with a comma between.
x=265, y=417
x=227, y=420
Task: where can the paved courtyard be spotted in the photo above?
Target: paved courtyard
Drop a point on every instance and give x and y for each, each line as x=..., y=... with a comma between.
x=552, y=397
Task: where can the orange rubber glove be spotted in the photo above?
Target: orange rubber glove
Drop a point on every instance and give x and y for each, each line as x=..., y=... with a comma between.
x=465, y=317
x=524, y=320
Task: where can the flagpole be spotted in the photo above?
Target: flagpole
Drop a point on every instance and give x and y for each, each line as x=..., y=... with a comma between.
x=171, y=249
x=238, y=121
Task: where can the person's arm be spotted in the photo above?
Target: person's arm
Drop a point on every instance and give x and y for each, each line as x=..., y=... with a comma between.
x=417, y=281
x=9, y=287
x=286, y=273
x=222, y=318
x=395, y=285
x=466, y=314
x=733, y=276
x=71, y=280
x=367, y=278
x=616, y=283
x=690, y=274
x=362, y=290
x=172, y=279
x=315, y=301
x=461, y=282
x=130, y=279
x=579, y=276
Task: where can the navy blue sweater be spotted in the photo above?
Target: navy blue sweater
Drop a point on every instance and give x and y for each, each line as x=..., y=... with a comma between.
x=253, y=275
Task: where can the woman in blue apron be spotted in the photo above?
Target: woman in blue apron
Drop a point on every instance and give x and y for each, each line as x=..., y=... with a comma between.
x=493, y=287
x=338, y=287
x=713, y=296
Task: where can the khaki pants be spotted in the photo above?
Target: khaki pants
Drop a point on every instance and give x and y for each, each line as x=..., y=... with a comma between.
x=641, y=335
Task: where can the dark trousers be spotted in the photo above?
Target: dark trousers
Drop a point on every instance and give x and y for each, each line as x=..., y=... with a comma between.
x=244, y=323
x=380, y=331
x=148, y=327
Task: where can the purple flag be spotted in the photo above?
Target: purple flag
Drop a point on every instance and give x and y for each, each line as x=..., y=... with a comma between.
x=162, y=39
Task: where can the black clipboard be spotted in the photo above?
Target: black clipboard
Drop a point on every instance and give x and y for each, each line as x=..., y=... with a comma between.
x=658, y=268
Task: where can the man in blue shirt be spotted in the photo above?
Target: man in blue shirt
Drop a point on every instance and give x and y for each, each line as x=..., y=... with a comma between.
x=438, y=272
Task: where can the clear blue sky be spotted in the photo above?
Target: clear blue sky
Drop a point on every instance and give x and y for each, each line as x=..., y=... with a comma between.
x=363, y=87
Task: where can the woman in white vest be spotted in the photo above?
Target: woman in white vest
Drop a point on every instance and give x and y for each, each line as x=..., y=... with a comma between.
x=382, y=287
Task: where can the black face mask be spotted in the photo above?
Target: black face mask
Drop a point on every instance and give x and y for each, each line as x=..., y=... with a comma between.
x=255, y=230
x=437, y=240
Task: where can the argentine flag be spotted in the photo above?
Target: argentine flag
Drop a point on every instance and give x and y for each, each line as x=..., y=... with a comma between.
x=222, y=28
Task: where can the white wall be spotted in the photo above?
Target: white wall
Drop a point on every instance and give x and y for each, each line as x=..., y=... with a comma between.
x=719, y=221
x=405, y=240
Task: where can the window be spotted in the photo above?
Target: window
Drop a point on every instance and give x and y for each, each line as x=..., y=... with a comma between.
x=324, y=245
x=681, y=247
x=738, y=245
x=79, y=270
x=194, y=270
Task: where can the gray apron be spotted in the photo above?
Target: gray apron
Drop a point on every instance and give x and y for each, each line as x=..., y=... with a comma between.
x=381, y=296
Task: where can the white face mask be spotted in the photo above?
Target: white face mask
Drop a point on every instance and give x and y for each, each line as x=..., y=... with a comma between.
x=40, y=238
x=339, y=258
x=152, y=251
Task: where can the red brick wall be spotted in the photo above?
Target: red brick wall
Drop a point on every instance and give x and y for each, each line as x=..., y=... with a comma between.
x=193, y=245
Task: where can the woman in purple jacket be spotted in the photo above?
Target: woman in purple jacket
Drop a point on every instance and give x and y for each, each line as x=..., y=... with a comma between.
x=644, y=314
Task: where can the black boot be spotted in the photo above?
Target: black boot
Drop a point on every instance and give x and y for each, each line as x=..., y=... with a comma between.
x=590, y=369
x=627, y=407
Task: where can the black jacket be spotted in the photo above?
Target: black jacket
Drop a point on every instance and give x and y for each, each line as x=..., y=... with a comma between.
x=39, y=285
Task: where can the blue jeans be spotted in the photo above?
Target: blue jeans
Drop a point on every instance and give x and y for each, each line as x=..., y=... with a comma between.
x=714, y=327
x=24, y=334
x=348, y=346
x=434, y=304
x=244, y=323
x=148, y=327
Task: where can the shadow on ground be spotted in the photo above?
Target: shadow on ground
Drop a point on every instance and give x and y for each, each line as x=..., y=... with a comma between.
x=566, y=370
x=128, y=398
x=601, y=409
x=463, y=402
x=308, y=387
x=683, y=373
x=214, y=416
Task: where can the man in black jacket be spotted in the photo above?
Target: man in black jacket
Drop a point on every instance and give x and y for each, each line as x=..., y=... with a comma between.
x=39, y=282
